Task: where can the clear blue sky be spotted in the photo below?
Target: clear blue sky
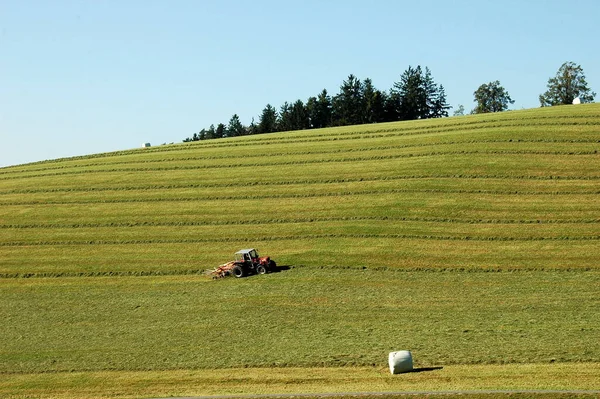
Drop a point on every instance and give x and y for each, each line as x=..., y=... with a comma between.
x=82, y=77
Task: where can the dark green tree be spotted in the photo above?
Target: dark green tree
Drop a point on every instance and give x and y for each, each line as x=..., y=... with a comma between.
x=220, y=132
x=211, y=133
x=252, y=128
x=235, y=127
x=347, y=104
x=411, y=94
x=439, y=107
x=311, y=111
x=417, y=96
x=284, y=119
x=324, y=111
x=391, y=106
x=491, y=97
x=299, y=116
x=373, y=103
x=568, y=84
x=268, y=120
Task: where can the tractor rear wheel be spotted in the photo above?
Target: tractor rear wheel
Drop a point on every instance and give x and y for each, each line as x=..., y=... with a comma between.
x=238, y=271
x=260, y=269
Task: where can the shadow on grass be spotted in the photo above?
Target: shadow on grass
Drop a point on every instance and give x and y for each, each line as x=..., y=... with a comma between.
x=281, y=268
x=423, y=369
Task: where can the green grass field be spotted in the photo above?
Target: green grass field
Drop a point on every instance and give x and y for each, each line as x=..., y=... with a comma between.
x=472, y=241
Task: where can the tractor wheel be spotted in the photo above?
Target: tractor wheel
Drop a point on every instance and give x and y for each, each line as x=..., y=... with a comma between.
x=238, y=271
x=260, y=269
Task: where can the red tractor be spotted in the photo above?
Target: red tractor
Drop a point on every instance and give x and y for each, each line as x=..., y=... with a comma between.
x=247, y=261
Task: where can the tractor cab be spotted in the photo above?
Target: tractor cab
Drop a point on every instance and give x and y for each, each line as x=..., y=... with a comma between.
x=249, y=256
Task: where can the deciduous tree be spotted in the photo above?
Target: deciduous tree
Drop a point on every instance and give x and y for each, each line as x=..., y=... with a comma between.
x=491, y=97
x=568, y=84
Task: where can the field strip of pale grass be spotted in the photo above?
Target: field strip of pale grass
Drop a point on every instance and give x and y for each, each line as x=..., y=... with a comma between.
x=578, y=377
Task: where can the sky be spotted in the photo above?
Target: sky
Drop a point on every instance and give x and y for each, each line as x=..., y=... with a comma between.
x=85, y=77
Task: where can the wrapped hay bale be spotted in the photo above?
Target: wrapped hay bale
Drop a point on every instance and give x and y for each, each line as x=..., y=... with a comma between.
x=400, y=362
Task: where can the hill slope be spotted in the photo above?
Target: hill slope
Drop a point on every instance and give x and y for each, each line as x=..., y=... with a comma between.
x=516, y=190
x=389, y=232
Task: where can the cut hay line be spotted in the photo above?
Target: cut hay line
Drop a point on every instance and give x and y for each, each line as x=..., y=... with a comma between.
x=303, y=182
x=284, y=196
x=201, y=272
x=293, y=237
x=290, y=163
x=112, y=273
x=337, y=151
x=296, y=220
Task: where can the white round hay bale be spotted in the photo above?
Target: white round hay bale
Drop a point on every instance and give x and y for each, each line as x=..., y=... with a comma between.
x=400, y=362
x=577, y=101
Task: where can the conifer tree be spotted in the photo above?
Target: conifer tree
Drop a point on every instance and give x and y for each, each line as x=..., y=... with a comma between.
x=268, y=120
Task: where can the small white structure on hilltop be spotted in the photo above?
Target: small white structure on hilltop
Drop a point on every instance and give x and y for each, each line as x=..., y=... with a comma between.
x=400, y=362
x=146, y=145
x=576, y=101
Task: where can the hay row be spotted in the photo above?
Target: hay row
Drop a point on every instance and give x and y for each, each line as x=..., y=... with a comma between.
x=293, y=237
x=295, y=220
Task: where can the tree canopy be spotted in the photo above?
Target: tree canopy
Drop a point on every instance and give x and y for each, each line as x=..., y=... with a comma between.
x=414, y=96
x=491, y=97
x=417, y=96
x=568, y=84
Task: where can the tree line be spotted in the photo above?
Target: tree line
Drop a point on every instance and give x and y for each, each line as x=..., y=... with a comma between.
x=415, y=96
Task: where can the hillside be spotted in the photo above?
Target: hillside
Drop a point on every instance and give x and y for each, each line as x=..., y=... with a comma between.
x=513, y=190
x=472, y=241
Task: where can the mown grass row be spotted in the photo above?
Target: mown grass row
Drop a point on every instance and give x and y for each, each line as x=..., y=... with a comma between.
x=519, y=185
x=156, y=197
x=237, y=222
x=451, y=184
